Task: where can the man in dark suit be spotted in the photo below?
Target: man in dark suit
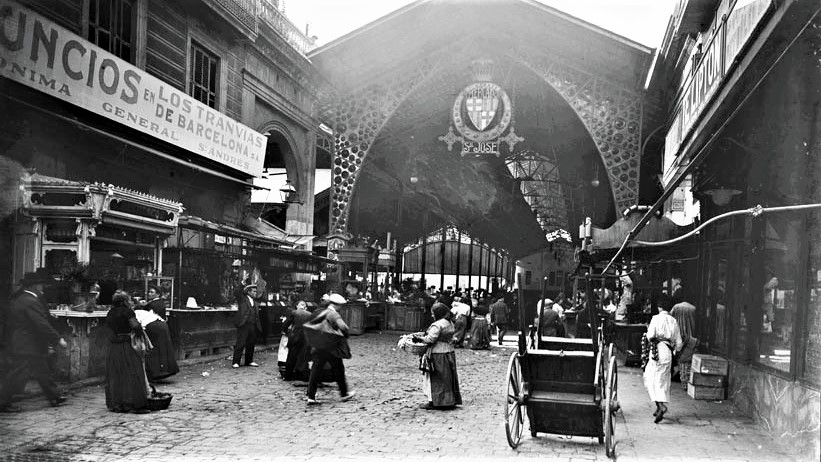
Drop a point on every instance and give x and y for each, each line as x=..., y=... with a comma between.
x=296, y=365
x=248, y=324
x=499, y=316
x=550, y=323
x=30, y=337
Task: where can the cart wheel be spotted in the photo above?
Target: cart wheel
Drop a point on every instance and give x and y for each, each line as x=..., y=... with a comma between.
x=611, y=406
x=611, y=353
x=514, y=402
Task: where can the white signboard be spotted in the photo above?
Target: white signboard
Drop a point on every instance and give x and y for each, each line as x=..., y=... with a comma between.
x=713, y=68
x=740, y=25
x=700, y=90
x=42, y=55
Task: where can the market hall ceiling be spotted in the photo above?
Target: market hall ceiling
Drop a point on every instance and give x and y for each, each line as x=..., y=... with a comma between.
x=574, y=90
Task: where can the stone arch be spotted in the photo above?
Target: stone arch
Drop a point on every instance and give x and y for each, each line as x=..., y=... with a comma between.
x=294, y=161
x=357, y=120
x=611, y=114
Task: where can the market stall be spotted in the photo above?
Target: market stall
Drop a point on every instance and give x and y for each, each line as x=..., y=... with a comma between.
x=406, y=317
x=202, y=332
x=87, y=339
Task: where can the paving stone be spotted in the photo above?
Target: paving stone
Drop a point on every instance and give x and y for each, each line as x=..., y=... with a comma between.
x=251, y=414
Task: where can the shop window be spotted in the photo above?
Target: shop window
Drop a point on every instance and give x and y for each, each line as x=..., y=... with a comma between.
x=783, y=234
x=719, y=296
x=202, y=81
x=111, y=26
x=811, y=369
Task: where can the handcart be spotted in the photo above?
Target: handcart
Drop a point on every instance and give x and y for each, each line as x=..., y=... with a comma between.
x=564, y=386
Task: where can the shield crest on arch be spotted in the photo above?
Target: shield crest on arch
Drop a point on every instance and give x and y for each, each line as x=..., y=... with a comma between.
x=481, y=104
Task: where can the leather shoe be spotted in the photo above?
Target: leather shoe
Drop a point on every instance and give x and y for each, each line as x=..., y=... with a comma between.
x=660, y=415
x=427, y=406
x=11, y=408
x=58, y=401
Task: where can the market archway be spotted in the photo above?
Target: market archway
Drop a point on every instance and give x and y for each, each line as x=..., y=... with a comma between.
x=575, y=97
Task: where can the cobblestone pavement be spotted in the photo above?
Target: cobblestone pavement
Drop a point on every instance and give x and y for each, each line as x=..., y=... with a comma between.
x=219, y=413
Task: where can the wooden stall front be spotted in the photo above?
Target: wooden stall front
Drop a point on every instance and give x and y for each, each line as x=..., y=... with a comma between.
x=87, y=339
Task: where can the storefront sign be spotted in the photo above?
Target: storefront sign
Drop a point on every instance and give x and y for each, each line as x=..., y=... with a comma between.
x=42, y=55
x=699, y=91
x=741, y=24
x=714, y=65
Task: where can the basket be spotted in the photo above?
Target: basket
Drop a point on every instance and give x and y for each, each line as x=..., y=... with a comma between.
x=407, y=344
x=158, y=401
x=417, y=349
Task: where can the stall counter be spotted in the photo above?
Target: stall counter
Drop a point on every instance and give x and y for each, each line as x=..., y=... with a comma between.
x=87, y=339
x=211, y=331
x=202, y=332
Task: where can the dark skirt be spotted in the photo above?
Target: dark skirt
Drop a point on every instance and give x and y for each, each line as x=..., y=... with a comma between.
x=126, y=387
x=160, y=362
x=444, y=382
x=479, y=334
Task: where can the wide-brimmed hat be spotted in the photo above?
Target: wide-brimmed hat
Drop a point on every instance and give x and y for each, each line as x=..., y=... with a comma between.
x=40, y=276
x=337, y=299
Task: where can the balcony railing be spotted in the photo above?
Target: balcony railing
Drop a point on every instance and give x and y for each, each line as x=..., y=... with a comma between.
x=244, y=10
x=270, y=15
x=250, y=13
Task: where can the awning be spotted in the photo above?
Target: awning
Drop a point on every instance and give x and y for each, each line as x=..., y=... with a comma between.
x=50, y=197
x=656, y=229
x=189, y=221
x=267, y=228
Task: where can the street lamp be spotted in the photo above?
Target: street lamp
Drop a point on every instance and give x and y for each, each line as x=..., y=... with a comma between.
x=721, y=195
x=289, y=193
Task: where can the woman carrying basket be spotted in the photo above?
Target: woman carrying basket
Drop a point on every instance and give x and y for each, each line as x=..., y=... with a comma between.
x=126, y=385
x=439, y=362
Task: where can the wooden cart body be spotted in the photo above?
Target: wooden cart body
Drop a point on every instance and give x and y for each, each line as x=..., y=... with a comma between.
x=566, y=386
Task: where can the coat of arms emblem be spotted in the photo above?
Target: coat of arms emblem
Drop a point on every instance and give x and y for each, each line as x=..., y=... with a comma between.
x=481, y=113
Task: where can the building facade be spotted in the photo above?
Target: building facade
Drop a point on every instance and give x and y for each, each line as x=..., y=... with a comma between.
x=742, y=137
x=138, y=129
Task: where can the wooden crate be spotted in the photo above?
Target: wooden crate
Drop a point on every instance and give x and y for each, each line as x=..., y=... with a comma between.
x=702, y=392
x=707, y=380
x=709, y=365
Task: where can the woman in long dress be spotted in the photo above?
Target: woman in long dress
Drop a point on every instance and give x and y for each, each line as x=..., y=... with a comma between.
x=441, y=380
x=126, y=386
x=479, y=328
x=665, y=339
x=160, y=361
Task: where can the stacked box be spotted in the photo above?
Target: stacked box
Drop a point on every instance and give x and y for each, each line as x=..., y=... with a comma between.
x=708, y=377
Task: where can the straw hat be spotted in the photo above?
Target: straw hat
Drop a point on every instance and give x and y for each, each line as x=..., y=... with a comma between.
x=337, y=299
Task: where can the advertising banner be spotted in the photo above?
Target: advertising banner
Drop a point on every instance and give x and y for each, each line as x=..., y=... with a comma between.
x=740, y=26
x=42, y=55
x=715, y=64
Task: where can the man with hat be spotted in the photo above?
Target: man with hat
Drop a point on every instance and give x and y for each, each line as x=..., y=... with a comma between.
x=30, y=336
x=248, y=324
x=332, y=355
